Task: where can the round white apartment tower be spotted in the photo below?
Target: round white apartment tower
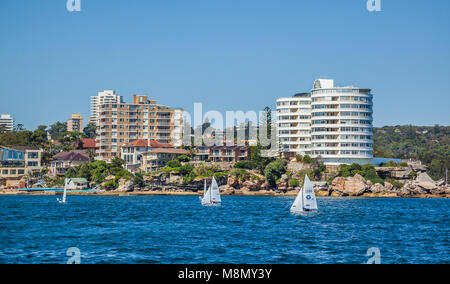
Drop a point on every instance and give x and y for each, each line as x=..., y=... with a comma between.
x=294, y=124
x=341, y=123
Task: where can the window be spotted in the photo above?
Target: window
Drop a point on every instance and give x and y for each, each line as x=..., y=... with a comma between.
x=33, y=155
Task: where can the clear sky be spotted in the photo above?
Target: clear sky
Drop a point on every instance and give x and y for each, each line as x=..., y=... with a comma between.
x=227, y=54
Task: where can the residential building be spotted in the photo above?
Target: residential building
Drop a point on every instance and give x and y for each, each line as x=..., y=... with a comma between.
x=65, y=160
x=18, y=161
x=294, y=124
x=143, y=119
x=132, y=152
x=105, y=97
x=75, y=123
x=78, y=184
x=6, y=122
x=331, y=123
x=222, y=153
x=342, y=123
x=157, y=158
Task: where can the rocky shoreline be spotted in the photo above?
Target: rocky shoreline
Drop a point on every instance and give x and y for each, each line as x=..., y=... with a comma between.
x=406, y=182
x=355, y=186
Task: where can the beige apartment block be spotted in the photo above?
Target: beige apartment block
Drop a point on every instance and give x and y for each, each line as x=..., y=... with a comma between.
x=75, y=124
x=121, y=123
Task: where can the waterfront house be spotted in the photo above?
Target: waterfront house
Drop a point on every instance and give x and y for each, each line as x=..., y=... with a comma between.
x=78, y=184
x=65, y=160
x=157, y=158
x=132, y=152
x=222, y=153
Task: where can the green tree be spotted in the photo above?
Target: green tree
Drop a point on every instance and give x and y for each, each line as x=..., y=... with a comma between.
x=138, y=181
x=275, y=170
x=90, y=130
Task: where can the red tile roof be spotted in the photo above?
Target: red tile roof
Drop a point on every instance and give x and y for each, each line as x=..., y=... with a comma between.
x=137, y=143
x=156, y=144
x=89, y=143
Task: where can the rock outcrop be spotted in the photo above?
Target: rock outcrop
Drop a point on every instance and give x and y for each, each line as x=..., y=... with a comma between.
x=394, y=173
x=358, y=186
x=354, y=186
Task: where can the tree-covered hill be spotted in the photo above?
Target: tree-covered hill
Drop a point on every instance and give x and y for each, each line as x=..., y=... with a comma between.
x=431, y=145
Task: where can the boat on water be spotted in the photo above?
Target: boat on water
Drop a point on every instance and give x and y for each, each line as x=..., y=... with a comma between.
x=211, y=197
x=306, y=203
x=66, y=184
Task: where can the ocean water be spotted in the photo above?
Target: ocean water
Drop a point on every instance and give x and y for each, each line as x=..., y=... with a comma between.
x=177, y=229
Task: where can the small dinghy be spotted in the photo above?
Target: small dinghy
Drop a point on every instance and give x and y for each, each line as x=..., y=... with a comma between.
x=211, y=197
x=305, y=204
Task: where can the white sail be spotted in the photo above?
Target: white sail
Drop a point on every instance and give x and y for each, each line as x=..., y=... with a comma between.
x=297, y=207
x=204, y=189
x=207, y=197
x=309, y=196
x=66, y=184
x=215, y=192
x=306, y=199
x=212, y=195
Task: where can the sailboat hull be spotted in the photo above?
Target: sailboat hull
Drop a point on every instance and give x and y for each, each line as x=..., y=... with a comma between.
x=305, y=213
x=209, y=204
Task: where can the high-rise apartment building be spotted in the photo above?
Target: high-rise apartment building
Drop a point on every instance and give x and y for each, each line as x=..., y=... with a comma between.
x=105, y=97
x=6, y=122
x=341, y=124
x=121, y=123
x=294, y=124
x=75, y=123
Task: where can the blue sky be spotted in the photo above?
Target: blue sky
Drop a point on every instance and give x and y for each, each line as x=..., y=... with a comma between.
x=229, y=55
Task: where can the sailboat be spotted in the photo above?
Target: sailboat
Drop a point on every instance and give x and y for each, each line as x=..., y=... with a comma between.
x=305, y=203
x=204, y=191
x=212, y=195
x=66, y=184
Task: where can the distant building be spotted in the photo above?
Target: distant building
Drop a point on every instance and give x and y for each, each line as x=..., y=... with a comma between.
x=340, y=124
x=75, y=124
x=6, y=122
x=105, y=97
x=18, y=161
x=157, y=158
x=66, y=160
x=222, y=153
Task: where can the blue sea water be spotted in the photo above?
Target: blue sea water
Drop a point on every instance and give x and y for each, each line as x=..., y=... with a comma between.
x=177, y=229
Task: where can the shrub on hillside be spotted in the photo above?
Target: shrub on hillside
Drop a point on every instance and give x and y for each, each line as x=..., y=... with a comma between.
x=174, y=164
x=248, y=165
x=307, y=159
x=184, y=159
x=275, y=170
